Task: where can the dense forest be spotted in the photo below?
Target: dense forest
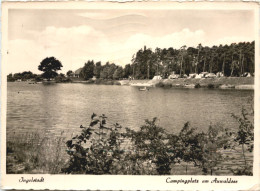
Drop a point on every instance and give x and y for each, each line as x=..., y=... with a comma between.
x=231, y=60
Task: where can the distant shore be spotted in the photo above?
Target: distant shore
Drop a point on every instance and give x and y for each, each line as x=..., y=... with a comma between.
x=221, y=83
x=218, y=83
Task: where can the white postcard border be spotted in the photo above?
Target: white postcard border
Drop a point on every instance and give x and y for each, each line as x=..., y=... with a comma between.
x=117, y=182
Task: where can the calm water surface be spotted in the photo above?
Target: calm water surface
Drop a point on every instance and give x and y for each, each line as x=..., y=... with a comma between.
x=64, y=107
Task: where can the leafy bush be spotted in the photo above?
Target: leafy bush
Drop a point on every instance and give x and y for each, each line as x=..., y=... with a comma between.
x=152, y=146
x=159, y=84
x=62, y=79
x=201, y=149
x=244, y=137
x=96, y=149
x=210, y=86
x=197, y=85
x=150, y=150
x=212, y=143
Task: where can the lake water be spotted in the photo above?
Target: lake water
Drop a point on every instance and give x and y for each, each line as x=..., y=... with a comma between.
x=64, y=107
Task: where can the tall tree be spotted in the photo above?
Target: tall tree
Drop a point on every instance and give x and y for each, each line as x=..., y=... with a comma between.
x=223, y=66
x=225, y=58
x=69, y=72
x=182, y=52
x=49, y=66
x=97, y=69
x=87, y=71
x=198, y=58
x=127, y=71
x=118, y=74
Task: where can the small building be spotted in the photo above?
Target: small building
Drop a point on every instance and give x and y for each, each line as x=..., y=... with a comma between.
x=219, y=74
x=246, y=74
x=173, y=75
x=211, y=75
x=203, y=74
x=198, y=76
x=185, y=76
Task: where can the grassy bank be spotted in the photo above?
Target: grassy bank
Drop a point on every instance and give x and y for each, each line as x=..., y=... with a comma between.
x=35, y=153
x=97, y=81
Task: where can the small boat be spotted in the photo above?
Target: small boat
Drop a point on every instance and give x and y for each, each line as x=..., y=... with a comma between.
x=144, y=89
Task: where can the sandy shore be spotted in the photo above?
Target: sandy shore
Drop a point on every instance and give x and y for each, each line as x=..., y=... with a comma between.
x=222, y=83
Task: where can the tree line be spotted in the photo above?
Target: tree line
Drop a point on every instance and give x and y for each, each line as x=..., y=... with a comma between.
x=49, y=66
x=107, y=71
x=231, y=60
x=23, y=76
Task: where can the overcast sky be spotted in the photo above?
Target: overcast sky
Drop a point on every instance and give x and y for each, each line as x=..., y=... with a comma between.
x=75, y=36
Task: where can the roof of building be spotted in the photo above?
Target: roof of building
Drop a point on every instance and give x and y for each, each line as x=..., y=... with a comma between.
x=78, y=71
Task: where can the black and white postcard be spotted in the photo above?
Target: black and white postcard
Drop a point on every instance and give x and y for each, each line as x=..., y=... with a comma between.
x=130, y=96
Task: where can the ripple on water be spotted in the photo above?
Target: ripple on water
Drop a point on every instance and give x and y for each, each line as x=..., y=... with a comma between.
x=67, y=106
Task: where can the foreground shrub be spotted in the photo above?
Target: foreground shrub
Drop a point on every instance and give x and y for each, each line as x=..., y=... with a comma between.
x=95, y=149
x=215, y=139
x=150, y=150
x=244, y=136
x=152, y=146
x=201, y=148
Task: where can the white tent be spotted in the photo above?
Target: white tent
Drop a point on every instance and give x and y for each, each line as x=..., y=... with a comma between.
x=157, y=78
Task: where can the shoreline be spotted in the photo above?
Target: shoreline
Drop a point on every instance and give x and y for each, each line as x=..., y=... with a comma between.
x=211, y=83
x=239, y=83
